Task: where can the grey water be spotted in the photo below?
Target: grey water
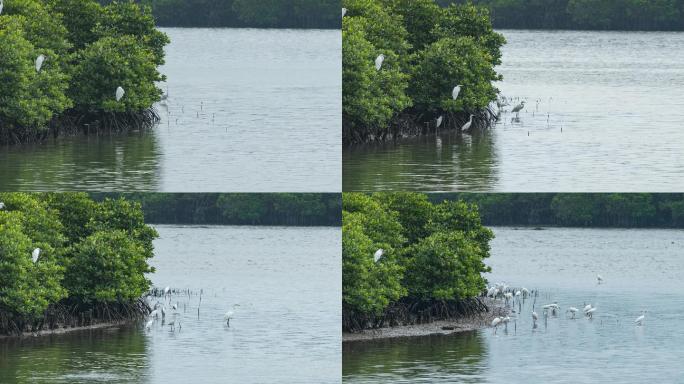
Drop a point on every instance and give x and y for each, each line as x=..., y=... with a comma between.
x=642, y=270
x=249, y=110
x=603, y=113
x=287, y=282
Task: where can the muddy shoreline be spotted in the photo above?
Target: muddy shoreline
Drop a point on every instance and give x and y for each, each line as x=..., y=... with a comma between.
x=440, y=327
x=65, y=330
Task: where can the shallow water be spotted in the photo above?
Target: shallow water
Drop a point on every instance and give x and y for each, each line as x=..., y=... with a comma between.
x=609, y=118
x=249, y=110
x=286, y=329
x=642, y=270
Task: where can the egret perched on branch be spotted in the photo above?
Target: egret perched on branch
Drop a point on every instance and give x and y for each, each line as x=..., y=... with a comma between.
x=2, y=205
x=229, y=315
x=640, y=320
x=39, y=62
x=599, y=278
x=378, y=254
x=378, y=61
x=456, y=91
x=467, y=125
x=35, y=254
x=344, y=11
x=518, y=108
x=439, y=121
x=1, y=5
x=119, y=93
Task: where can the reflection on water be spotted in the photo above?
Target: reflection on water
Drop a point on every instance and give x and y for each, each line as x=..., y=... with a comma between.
x=603, y=113
x=642, y=270
x=249, y=110
x=286, y=330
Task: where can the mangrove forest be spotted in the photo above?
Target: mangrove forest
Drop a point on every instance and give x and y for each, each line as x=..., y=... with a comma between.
x=411, y=66
x=625, y=15
x=408, y=260
x=69, y=261
x=69, y=66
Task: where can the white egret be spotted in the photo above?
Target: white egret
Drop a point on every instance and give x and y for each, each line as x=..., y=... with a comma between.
x=167, y=290
x=535, y=317
x=599, y=278
x=149, y=324
x=378, y=254
x=39, y=62
x=525, y=291
x=590, y=313
x=229, y=315
x=640, y=320
x=491, y=292
x=496, y=322
x=518, y=293
x=2, y=205
x=467, y=125
x=1, y=5
x=163, y=312
x=378, y=61
x=456, y=91
x=572, y=310
x=586, y=308
x=344, y=11
x=35, y=254
x=439, y=121
x=119, y=93
x=518, y=108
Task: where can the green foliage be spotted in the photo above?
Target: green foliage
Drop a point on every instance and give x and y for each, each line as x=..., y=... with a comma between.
x=432, y=251
x=428, y=51
x=113, y=62
x=80, y=17
x=45, y=31
x=90, y=252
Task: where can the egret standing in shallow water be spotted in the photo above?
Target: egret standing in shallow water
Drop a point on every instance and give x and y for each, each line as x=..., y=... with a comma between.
x=229, y=315
x=518, y=108
x=35, y=254
x=572, y=310
x=39, y=62
x=378, y=254
x=640, y=320
x=378, y=61
x=599, y=278
x=467, y=125
x=455, y=92
x=119, y=93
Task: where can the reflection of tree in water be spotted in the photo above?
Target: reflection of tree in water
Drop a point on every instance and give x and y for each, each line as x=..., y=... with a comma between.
x=115, y=355
x=119, y=162
x=461, y=357
x=448, y=162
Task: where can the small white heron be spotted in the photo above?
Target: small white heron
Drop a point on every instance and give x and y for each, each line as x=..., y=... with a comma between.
x=229, y=315
x=378, y=254
x=590, y=313
x=586, y=308
x=456, y=91
x=572, y=310
x=1, y=6
x=167, y=290
x=378, y=61
x=2, y=205
x=35, y=255
x=535, y=317
x=467, y=125
x=120, y=93
x=39, y=62
x=640, y=320
x=492, y=292
x=518, y=108
x=496, y=322
x=599, y=279
x=149, y=324
x=439, y=121
x=344, y=11
x=525, y=292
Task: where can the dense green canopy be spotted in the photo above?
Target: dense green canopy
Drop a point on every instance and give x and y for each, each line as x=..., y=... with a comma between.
x=431, y=251
x=427, y=50
x=89, y=51
x=90, y=252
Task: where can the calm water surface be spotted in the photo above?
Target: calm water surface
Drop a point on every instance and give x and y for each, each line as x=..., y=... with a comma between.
x=609, y=117
x=643, y=270
x=286, y=330
x=249, y=110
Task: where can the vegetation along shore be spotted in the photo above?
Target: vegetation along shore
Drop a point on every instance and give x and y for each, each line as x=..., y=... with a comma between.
x=408, y=261
x=67, y=261
x=69, y=66
x=411, y=67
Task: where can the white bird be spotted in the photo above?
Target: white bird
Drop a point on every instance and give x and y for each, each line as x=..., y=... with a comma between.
x=491, y=292
x=378, y=254
x=586, y=308
x=518, y=108
x=378, y=61
x=344, y=11
x=229, y=315
x=455, y=92
x=1, y=5
x=518, y=293
x=572, y=310
x=149, y=324
x=467, y=125
x=35, y=254
x=119, y=93
x=590, y=313
x=2, y=205
x=163, y=312
x=39, y=62
x=640, y=319
x=167, y=290
x=439, y=121
x=599, y=278
x=496, y=321
x=525, y=292
x=535, y=317
x=175, y=307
